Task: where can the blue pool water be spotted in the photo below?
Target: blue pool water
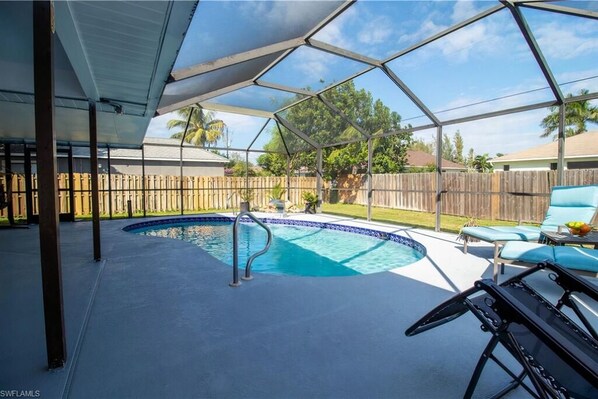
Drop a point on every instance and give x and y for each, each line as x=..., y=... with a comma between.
x=295, y=250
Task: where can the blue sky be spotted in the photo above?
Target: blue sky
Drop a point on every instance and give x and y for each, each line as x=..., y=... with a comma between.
x=487, y=63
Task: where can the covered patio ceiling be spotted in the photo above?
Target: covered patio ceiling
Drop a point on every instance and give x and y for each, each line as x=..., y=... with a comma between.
x=116, y=53
x=138, y=59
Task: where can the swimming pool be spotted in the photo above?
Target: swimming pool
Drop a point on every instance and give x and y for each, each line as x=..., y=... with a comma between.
x=299, y=248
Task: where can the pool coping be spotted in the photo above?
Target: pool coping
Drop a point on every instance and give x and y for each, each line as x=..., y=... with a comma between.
x=382, y=235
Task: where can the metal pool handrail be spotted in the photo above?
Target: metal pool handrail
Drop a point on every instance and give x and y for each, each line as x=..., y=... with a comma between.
x=236, y=282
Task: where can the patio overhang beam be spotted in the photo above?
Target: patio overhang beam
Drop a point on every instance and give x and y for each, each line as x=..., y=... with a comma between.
x=235, y=59
x=203, y=97
x=535, y=49
x=284, y=142
x=289, y=89
x=560, y=9
x=344, y=117
x=236, y=110
x=392, y=76
x=297, y=132
x=240, y=150
x=258, y=134
x=445, y=32
x=329, y=48
x=589, y=96
x=493, y=114
x=379, y=136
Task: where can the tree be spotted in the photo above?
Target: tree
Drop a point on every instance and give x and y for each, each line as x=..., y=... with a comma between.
x=421, y=145
x=203, y=128
x=482, y=164
x=448, y=151
x=458, y=154
x=577, y=115
x=323, y=126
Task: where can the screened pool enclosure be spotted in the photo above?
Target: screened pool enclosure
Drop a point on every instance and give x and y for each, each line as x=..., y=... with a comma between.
x=94, y=74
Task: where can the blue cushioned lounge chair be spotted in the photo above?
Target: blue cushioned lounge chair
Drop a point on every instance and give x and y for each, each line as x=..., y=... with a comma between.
x=567, y=203
x=582, y=260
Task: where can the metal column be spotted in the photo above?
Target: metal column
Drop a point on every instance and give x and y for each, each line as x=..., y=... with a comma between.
x=369, y=175
x=8, y=166
x=49, y=237
x=181, y=182
x=109, y=183
x=181, y=157
x=560, y=165
x=95, y=190
x=247, y=172
x=71, y=185
x=319, y=179
x=28, y=185
x=438, y=177
x=143, y=179
x=288, y=177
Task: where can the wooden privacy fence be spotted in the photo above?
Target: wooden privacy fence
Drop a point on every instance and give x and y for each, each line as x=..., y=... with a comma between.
x=502, y=195
x=162, y=193
x=516, y=196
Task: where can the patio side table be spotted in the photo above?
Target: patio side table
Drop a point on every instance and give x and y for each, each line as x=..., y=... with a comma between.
x=555, y=238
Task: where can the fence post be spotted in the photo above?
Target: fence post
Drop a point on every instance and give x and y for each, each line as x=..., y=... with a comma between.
x=143, y=179
x=495, y=196
x=438, y=177
x=369, y=183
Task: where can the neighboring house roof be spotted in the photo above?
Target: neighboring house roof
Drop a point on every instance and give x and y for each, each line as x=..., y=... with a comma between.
x=157, y=149
x=579, y=146
x=421, y=159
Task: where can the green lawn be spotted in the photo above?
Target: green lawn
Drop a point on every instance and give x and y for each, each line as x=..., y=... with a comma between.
x=394, y=216
x=407, y=218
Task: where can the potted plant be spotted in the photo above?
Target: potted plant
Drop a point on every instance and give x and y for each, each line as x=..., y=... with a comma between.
x=276, y=195
x=311, y=201
x=246, y=195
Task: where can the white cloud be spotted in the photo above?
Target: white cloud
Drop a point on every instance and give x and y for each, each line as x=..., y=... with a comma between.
x=314, y=65
x=426, y=29
x=376, y=31
x=568, y=42
x=462, y=10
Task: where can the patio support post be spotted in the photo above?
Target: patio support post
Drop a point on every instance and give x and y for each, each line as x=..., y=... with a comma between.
x=319, y=179
x=247, y=172
x=369, y=184
x=181, y=176
x=95, y=191
x=45, y=137
x=560, y=165
x=71, y=184
x=8, y=165
x=288, y=177
x=143, y=179
x=109, y=183
x=181, y=156
x=438, y=177
x=28, y=184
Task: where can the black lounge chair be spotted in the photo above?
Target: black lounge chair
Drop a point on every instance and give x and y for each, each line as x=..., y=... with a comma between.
x=558, y=357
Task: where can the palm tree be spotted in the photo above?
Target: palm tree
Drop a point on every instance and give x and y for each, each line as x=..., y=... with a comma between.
x=482, y=164
x=577, y=114
x=203, y=128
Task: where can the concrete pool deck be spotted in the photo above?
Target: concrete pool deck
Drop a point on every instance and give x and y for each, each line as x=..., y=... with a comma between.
x=157, y=319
